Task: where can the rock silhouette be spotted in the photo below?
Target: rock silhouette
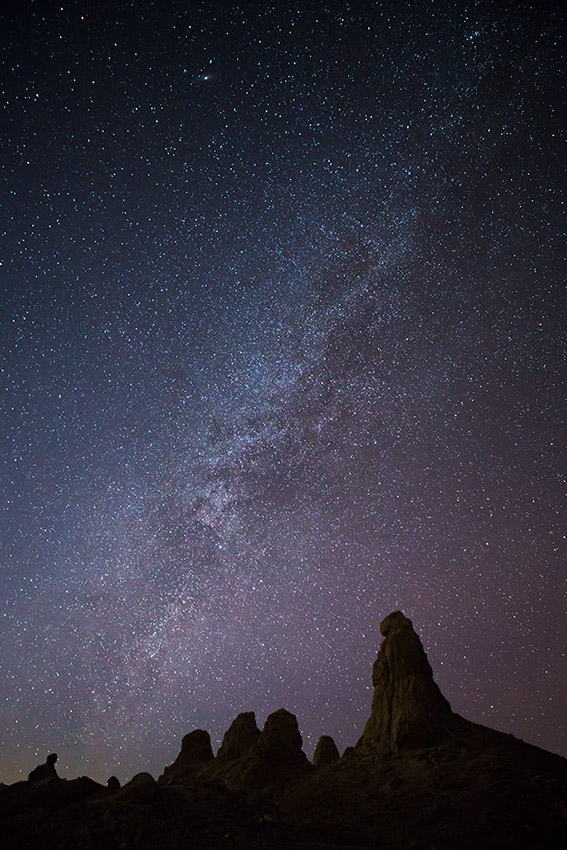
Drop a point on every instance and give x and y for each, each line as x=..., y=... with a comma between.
x=239, y=737
x=276, y=756
x=326, y=751
x=420, y=777
x=408, y=709
x=44, y=771
x=141, y=789
x=195, y=751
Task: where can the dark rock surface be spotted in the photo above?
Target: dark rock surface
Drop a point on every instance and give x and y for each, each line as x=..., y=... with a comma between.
x=326, y=751
x=276, y=758
x=22, y=800
x=487, y=791
x=195, y=751
x=240, y=736
x=420, y=778
x=44, y=771
x=142, y=788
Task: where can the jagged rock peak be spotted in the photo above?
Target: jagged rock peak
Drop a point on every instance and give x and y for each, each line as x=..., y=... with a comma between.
x=281, y=733
x=195, y=750
x=325, y=752
x=408, y=709
x=239, y=737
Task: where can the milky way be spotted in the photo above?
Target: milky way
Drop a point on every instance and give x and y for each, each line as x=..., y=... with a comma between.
x=282, y=351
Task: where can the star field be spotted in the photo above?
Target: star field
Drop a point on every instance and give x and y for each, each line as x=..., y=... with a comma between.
x=282, y=351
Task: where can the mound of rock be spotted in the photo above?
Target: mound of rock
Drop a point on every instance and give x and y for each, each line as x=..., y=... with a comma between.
x=141, y=789
x=195, y=752
x=326, y=751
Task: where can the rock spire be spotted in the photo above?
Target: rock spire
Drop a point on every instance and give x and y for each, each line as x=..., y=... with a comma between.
x=326, y=751
x=240, y=736
x=195, y=752
x=408, y=709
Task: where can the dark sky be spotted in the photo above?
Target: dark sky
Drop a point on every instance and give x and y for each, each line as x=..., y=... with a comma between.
x=282, y=351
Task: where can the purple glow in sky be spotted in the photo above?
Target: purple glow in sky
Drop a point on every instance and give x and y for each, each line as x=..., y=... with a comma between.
x=282, y=351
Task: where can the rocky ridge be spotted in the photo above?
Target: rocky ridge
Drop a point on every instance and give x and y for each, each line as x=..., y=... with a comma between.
x=419, y=777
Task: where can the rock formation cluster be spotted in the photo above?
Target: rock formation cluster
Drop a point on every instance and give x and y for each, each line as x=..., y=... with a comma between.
x=419, y=776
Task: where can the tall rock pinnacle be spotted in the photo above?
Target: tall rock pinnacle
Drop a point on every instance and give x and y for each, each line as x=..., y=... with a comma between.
x=238, y=739
x=408, y=709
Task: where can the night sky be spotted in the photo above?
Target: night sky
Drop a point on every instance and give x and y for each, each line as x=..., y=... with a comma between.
x=282, y=351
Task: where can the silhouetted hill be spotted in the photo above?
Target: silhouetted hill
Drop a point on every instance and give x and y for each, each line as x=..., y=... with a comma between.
x=420, y=777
